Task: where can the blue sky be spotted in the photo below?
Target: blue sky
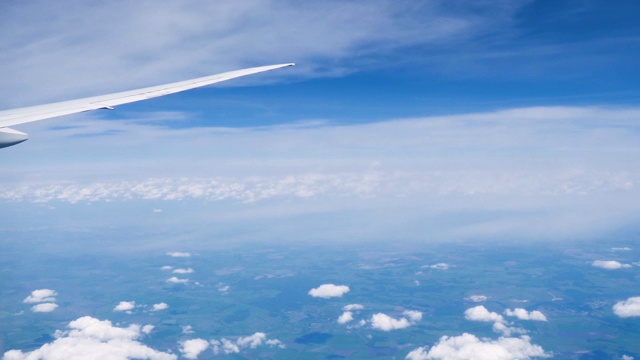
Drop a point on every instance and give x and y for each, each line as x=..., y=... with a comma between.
x=505, y=118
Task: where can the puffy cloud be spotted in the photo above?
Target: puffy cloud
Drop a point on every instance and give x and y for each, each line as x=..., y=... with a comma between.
x=179, y=254
x=252, y=341
x=227, y=346
x=183, y=271
x=192, y=348
x=627, y=308
x=468, y=346
x=523, y=314
x=160, y=306
x=413, y=315
x=44, y=307
x=610, y=264
x=385, y=322
x=478, y=298
x=329, y=290
x=147, y=329
x=345, y=317
x=42, y=295
x=90, y=338
x=188, y=329
x=480, y=313
x=175, y=280
x=125, y=306
x=352, y=307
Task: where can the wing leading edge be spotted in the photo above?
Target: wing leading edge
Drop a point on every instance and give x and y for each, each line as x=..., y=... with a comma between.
x=12, y=117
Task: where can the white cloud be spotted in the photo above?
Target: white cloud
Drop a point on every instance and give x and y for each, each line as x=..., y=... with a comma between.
x=44, y=307
x=192, y=348
x=610, y=264
x=160, y=306
x=625, y=248
x=179, y=254
x=175, y=280
x=228, y=346
x=345, y=317
x=523, y=314
x=188, y=329
x=329, y=290
x=223, y=288
x=166, y=267
x=413, y=315
x=478, y=298
x=627, y=308
x=500, y=325
x=147, y=329
x=183, y=271
x=469, y=347
x=252, y=341
x=480, y=313
x=352, y=307
x=125, y=306
x=385, y=322
x=42, y=295
x=88, y=336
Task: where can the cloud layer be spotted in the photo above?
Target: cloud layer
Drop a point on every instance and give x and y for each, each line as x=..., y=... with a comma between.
x=458, y=165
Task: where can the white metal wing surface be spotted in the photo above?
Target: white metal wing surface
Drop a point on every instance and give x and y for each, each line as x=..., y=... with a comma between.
x=9, y=137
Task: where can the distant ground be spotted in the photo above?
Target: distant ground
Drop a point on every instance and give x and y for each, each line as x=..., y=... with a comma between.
x=253, y=301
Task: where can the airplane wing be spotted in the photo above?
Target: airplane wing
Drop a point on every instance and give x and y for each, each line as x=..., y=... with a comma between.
x=9, y=137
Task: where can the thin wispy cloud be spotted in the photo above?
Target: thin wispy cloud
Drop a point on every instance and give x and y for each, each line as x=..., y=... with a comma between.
x=178, y=254
x=188, y=39
x=478, y=298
